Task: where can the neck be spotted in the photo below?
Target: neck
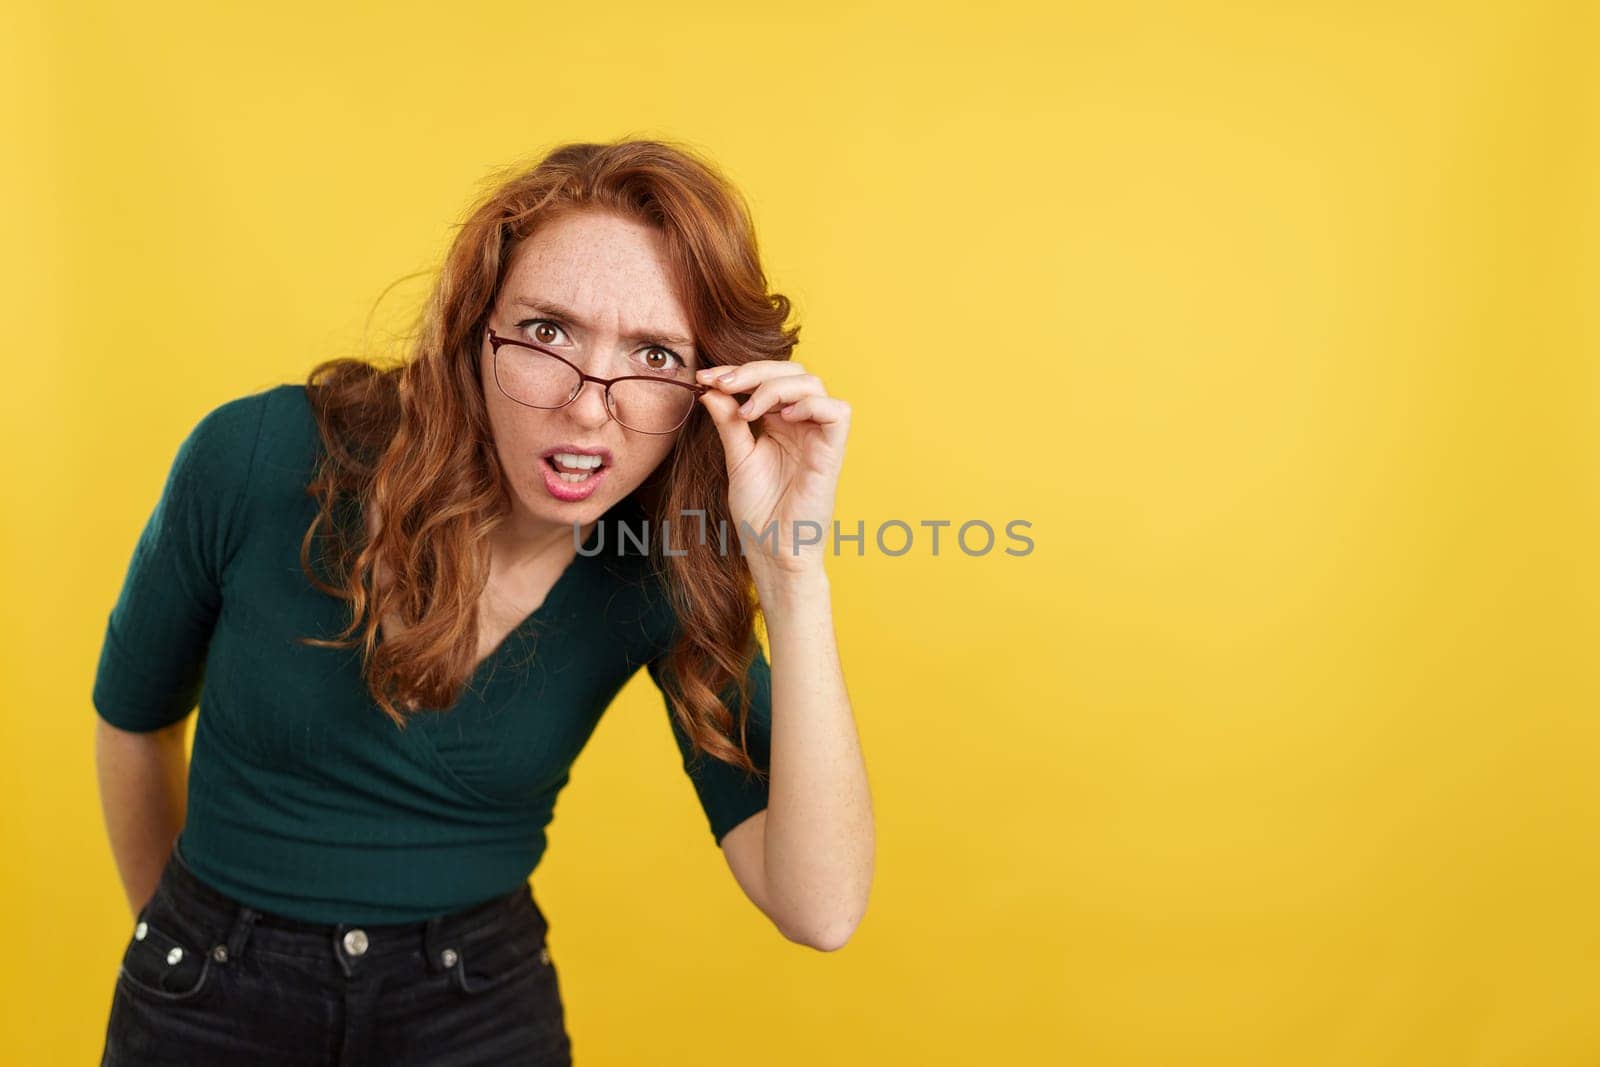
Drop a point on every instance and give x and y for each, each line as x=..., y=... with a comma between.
x=522, y=542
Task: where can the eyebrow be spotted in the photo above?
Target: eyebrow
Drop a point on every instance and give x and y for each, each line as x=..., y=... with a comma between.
x=550, y=307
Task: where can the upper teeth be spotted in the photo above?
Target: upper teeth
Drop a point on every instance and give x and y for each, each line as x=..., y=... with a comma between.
x=568, y=459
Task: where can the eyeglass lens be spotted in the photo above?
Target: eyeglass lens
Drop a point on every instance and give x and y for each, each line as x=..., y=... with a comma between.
x=539, y=380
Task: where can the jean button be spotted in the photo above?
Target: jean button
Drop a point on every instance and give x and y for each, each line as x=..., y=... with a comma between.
x=448, y=957
x=355, y=942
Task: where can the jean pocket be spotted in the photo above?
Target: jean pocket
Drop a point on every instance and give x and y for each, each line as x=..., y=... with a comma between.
x=493, y=961
x=162, y=963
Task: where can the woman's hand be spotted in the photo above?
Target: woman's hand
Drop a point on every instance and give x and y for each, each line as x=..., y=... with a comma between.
x=787, y=472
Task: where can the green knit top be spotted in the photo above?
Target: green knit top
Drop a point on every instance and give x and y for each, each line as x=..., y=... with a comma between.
x=305, y=800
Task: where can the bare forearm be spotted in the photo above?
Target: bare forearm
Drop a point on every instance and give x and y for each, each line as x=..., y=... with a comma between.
x=143, y=793
x=819, y=826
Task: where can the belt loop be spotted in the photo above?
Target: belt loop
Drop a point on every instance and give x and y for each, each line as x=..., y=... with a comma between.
x=243, y=923
x=441, y=956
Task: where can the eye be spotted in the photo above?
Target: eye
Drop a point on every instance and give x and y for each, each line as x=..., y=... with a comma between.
x=656, y=352
x=540, y=325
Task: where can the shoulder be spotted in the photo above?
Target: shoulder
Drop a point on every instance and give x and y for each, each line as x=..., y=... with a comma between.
x=228, y=431
x=233, y=429
x=287, y=440
x=221, y=459
x=219, y=450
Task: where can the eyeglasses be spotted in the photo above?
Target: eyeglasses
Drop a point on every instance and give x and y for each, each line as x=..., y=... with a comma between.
x=536, y=377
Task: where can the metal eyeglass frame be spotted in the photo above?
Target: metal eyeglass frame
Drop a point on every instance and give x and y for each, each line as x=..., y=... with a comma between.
x=496, y=342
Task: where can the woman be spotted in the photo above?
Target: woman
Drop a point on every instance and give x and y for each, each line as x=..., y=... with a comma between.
x=411, y=591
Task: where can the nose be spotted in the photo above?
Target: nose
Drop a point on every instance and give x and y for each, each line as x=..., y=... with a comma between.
x=588, y=408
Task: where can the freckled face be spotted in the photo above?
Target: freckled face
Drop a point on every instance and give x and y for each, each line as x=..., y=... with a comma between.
x=619, y=314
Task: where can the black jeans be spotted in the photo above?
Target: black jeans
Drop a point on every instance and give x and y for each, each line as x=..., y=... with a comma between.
x=207, y=980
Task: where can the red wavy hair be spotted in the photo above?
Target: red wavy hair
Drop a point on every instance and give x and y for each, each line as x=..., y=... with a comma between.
x=412, y=438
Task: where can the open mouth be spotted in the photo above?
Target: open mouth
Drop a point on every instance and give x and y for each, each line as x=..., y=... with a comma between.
x=574, y=470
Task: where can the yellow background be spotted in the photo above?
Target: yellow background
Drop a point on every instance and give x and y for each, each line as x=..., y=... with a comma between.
x=1275, y=321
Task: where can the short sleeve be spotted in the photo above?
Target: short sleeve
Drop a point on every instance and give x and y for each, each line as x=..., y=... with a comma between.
x=729, y=795
x=153, y=656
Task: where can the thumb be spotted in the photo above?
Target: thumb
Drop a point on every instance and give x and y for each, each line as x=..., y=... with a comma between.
x=737, y=440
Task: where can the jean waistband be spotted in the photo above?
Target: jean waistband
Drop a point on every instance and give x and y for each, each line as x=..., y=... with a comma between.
x=232, y=922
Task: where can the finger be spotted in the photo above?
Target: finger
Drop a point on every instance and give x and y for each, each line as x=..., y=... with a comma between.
x=823, y=409
x=746, y=376
x=737, y=439
x=775, y=391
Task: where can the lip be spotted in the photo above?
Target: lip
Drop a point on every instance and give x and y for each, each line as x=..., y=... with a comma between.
x=571, y=492
x=578, y=450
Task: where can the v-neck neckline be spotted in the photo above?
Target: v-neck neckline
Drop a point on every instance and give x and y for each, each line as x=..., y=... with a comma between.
x=519, y=633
